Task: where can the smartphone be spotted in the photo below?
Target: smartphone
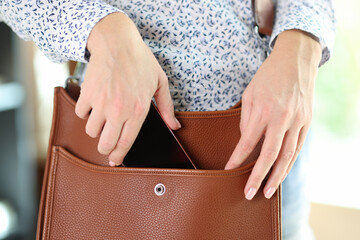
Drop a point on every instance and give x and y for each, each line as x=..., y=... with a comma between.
x=156, y=146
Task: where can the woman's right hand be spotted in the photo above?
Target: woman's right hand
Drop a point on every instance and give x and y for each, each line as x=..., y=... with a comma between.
x=121, y=78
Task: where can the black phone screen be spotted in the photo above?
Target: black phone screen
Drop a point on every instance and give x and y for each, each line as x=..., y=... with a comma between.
x=156, y=147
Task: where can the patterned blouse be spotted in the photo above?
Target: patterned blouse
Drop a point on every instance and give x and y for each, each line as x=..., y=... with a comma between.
x=208, y=48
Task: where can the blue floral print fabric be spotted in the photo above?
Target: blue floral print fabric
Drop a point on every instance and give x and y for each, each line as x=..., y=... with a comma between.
x=208, y=48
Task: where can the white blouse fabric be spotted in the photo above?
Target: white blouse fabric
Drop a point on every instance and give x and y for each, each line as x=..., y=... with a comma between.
x=208, y=48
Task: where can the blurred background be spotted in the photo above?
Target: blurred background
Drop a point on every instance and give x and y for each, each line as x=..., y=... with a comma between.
x=27, y=80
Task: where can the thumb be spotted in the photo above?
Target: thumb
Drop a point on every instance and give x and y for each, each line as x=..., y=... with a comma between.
x=165, y=104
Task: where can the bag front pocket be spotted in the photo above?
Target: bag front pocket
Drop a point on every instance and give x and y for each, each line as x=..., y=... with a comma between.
x=83, y=200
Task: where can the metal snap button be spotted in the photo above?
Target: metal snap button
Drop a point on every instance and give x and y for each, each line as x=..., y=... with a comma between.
x=159, y=189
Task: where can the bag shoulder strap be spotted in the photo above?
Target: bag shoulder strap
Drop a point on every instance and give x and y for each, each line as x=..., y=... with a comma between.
x=264, y=15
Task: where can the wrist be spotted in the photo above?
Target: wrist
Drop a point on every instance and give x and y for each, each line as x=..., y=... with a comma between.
x=299, y=45
x=111, y=34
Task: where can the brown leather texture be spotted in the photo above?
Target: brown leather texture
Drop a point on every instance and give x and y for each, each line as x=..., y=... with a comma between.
x=83, y=198
x=264, y=13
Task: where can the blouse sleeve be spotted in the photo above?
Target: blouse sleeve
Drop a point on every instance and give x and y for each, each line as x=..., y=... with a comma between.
x=59, y=28
x=315, y=17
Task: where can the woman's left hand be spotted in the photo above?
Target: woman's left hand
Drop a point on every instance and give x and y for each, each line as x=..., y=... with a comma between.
x=278, y=104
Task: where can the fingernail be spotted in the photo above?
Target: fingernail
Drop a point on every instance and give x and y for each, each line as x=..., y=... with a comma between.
x=269, y=192
x=250, y=193
x=112, y=164
x=228, y=166
x=178, y=123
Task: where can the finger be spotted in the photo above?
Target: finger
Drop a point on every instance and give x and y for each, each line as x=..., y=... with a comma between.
x=128, y=135
x=282, y=163
x=82, y=107
x=269, y=152
x=109, y=136
x=165, y=104
x=300, y=143
x=95, y=123
x=246, y=107
x=247, y=143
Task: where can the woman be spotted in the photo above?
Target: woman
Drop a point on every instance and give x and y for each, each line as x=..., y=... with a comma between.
x=191, y=55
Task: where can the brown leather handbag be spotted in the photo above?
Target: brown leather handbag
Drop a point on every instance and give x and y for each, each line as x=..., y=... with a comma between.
x=84, y=198
x=167, y=189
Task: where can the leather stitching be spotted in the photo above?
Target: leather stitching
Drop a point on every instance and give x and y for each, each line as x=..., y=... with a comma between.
x=143, y=171
x=51, y=192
